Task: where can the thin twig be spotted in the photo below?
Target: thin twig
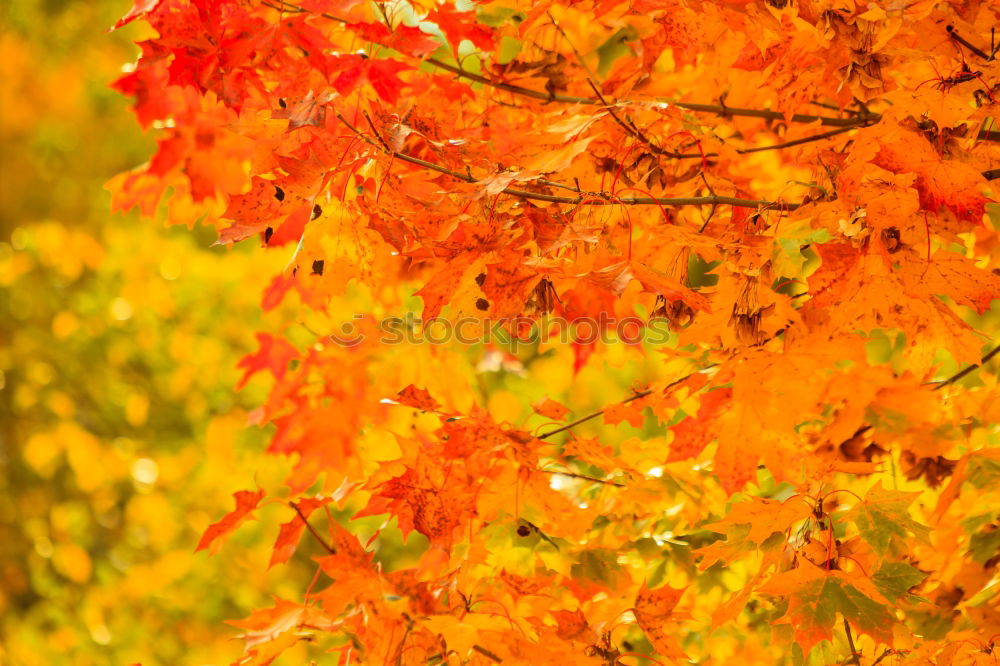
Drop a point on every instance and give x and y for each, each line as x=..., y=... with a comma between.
x=965, y=371
x=596, y=200
x=637, y=396
x=719, y=109
x=964, y=42
x=630, y=127
x=486, y=653
x=776, y=146
x=834, y=107
x=711, y=213
x=385, y=146
x=888, y=651
x=283, y=6
x=583, y=477
x=579, y=56
x=588, y=417
x=856, y=657
x=312, y=530
x=385, y=17
x=799, y=142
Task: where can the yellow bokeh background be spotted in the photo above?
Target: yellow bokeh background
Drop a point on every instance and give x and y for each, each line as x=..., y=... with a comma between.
x=121, y=436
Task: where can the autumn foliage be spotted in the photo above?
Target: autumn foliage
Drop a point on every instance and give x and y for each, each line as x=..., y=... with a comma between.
x=797, y=461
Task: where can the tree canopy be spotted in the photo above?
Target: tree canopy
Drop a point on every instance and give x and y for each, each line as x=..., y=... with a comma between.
x=611, y=331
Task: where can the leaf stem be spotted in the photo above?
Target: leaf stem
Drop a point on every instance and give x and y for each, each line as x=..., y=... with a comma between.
x=312, y=530
x=855, y=655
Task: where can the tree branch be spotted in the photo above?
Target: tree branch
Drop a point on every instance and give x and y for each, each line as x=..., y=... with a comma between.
x=858, y=119
x=591, y=198
x=718, y=109
x=312, y=530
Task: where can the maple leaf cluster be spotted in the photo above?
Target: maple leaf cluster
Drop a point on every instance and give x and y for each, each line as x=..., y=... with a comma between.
x=800, y=190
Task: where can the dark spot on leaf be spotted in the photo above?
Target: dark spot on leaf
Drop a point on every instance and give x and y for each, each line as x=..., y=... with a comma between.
x=279, y=193
x=282, y=104
x=480, y=279
x=483, y=304
x=318, y=267
x=267, y=235
x=523, y=531
x=317, y=211
x=890, y=238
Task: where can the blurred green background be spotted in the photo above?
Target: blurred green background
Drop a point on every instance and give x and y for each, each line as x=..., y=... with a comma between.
x=121, y=437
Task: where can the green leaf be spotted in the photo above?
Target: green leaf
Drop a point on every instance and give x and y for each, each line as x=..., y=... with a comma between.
x=598, y=565
x=815, y=597
x=509, y=48
x=893, y=579
x=700, y=272
x=884, y=516
x=983, y=471
x=984, y=546
x=615, y=47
